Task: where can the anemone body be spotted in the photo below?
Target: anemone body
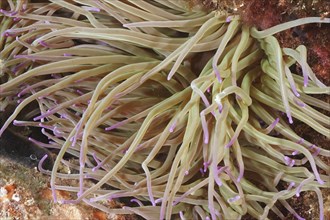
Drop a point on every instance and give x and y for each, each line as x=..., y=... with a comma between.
x=177, y=109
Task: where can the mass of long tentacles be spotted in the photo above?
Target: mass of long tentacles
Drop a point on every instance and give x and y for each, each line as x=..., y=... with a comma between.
x=177, y=109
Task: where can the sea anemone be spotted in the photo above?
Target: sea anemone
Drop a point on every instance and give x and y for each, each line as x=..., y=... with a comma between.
x=184, y=112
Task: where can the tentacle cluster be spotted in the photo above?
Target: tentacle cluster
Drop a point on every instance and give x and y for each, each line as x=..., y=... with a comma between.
x=177, y=109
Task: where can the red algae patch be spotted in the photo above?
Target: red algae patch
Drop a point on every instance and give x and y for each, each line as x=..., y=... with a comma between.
x=25, y=194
